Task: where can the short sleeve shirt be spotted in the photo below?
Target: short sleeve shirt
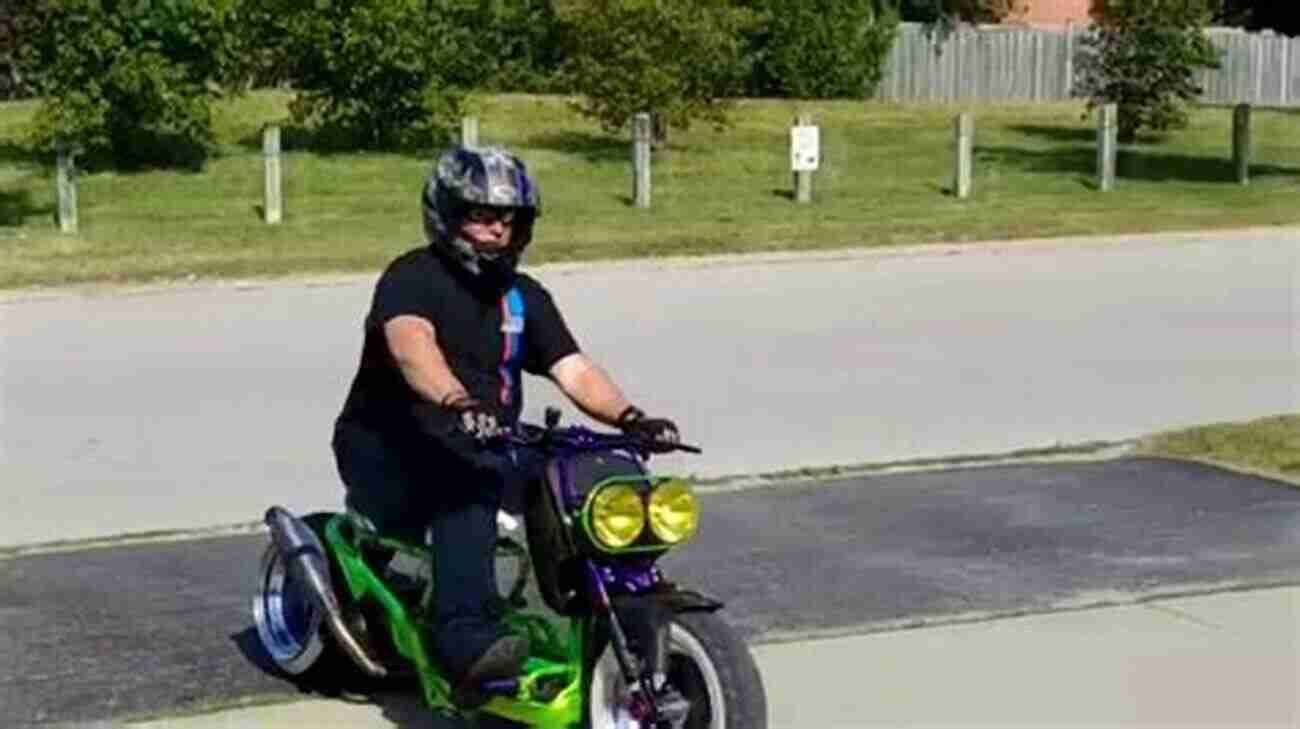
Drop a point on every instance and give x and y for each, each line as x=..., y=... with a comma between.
x=487, y=338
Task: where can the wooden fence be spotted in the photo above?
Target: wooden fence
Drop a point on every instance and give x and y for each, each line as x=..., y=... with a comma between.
x=1006, y=63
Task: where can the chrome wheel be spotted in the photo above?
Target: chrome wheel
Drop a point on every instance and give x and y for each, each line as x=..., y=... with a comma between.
x=288, y=622
x=691, y=672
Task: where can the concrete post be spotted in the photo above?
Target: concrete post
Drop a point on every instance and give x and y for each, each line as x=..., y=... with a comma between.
x=965, y=133
x=469, y=131
x=1107, y=142
x=641, y=137
x=273, y=195
x=67, y=188
x=1241, y=143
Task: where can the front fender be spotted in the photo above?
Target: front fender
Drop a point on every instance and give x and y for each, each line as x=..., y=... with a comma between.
x=681, y=601
x=645, y=617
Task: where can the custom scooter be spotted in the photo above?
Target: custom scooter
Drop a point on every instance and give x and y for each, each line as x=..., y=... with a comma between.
x=620, y=647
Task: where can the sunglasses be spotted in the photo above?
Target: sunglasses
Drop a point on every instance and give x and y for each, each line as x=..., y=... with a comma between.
x=487, y=216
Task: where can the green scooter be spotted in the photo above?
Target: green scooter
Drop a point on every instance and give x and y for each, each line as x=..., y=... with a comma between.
x=621, y=647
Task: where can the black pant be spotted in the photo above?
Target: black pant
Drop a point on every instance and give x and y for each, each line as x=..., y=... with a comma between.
x=454, y=490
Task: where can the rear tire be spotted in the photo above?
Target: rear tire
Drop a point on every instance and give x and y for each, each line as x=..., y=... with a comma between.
x=290, y=627
x=707, y=663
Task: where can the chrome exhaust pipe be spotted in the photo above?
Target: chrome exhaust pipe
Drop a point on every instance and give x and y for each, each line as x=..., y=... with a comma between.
x=307, y=561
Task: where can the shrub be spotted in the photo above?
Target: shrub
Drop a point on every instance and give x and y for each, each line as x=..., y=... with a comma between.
x=1142, y=55
x=821, y=48
x=377, y=74
x=133, y=81
x=515, y=45
x=9, y=78
x=969, y=11
x=680, y=60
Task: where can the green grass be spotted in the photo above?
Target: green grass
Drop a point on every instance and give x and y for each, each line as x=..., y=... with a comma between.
x=1268, y=444
x=883, y=182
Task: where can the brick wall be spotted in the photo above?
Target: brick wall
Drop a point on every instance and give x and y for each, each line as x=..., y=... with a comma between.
x=1056, y=12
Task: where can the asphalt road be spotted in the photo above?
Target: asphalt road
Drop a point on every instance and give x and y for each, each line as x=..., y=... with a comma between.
x=184, y=407
x=122, y=631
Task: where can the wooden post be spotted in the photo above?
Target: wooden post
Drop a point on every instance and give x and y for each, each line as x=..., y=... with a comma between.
x=803, y=179
x=1241, y=143
x=67, y=188
x=1286, y=71
x=469, y=131
x=1069, y=60
x=273, y=198
x=641, y=134
x=1107, y=134
x=1036, y=93
x=965, y=129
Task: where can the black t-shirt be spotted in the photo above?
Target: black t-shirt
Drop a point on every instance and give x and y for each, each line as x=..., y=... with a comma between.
x=478, y=331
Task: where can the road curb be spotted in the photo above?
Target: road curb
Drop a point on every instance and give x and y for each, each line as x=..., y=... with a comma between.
x=1280, y=478
x=1079, y=453
x=1114, y=241
x=1093, y=451
x=1082, y=603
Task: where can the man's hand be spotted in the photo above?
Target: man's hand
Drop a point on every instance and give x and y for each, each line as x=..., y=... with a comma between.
x=659, y=430
x=477, y=421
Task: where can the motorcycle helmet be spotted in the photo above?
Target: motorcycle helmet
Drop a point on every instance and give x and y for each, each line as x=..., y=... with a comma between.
x=466, y=177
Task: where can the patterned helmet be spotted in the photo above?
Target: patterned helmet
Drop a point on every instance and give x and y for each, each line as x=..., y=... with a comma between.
x=470, y=176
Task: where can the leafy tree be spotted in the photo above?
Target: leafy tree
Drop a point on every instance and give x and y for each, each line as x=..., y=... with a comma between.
x=377, y=74
x=1262, y=15
x=131, y=80
x=9, y=79
x=821, y=48
x=679, y=60
x=517, y=45
x=1142, y=56
x=946, y=12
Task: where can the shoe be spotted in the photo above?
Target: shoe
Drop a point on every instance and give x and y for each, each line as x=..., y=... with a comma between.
x=503, y=659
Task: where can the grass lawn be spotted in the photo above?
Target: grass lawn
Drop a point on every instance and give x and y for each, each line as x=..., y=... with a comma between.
x=1270, y=445
x=883, y=181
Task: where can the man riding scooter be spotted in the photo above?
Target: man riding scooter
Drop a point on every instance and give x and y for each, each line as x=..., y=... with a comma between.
x=451, y=327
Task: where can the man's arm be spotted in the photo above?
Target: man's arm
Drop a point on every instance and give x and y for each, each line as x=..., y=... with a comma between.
x=590, y=388
x=414, y=346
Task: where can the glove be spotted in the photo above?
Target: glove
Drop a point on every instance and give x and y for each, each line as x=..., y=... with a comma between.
x=659, y=430
x=475, y=420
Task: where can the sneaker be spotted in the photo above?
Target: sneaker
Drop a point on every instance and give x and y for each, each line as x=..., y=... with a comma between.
x=503, y=659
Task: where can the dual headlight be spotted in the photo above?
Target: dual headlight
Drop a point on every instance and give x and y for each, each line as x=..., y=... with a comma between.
x=618, y=514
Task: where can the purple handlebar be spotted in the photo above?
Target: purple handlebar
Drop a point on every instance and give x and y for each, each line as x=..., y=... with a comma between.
x=577, y=438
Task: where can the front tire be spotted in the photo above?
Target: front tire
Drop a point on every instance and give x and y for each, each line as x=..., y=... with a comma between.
x=708, y=664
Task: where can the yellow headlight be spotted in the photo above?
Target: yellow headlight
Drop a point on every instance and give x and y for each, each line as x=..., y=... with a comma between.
x=674, y=512
x=617, y=516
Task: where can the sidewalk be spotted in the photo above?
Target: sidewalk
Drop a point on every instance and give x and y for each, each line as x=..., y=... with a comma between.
x=1226, y=660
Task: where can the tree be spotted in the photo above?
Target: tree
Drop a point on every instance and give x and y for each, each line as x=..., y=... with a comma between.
x=680, y=60
x=821, y=48
x=517, y=45
x=132, y=80
x=1262, y=15
x=934, y=12
x=9, y=79
x=1142, y=55
x=376, y=74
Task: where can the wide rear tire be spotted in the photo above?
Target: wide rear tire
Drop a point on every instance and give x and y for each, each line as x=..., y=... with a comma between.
x=290, y=626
